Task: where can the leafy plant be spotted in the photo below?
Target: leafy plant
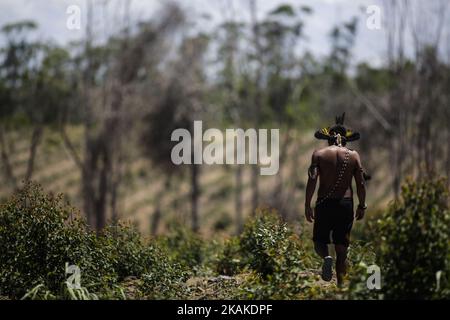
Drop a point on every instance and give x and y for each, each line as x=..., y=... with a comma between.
x=229, y=260
x=276, y=257
x=128, y=253
x=262, y=240
x=39, y=234
x=415, y=242
x=165, y=279
x=184, y=246
x=361, y=256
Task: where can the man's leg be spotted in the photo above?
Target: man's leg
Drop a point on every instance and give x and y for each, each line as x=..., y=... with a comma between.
x=341, y=262
x=321, y=237
x=341, y=237
x=327, y=266
x=321, y=249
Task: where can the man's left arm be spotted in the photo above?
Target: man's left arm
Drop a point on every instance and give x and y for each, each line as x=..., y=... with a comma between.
x=313, y=174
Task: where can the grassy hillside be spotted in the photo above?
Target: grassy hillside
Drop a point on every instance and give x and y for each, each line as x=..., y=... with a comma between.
x=142, y=183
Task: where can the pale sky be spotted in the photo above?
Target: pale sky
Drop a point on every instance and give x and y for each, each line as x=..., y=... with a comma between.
x=51, y=17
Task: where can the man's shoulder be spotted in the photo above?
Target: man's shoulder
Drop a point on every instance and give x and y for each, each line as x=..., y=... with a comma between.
x=326, y=150
x=329, y=150
x=319, y=152
x=353, y=153
x=324, y=153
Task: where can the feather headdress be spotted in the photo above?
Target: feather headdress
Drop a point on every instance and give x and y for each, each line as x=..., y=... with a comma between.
x=330, y=133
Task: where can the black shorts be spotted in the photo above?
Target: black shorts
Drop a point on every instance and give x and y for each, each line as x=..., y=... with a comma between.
x=333, y=221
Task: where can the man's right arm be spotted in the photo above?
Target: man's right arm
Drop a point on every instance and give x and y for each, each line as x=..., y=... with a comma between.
x=313, y=174
x=360, y=187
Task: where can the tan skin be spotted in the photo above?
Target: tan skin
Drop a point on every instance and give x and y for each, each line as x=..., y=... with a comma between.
x=327, y=160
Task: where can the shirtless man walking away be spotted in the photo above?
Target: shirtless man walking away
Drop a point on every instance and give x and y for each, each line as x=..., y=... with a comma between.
x=335, y=166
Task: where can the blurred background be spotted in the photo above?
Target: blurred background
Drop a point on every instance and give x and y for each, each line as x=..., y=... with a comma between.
x=90, y=92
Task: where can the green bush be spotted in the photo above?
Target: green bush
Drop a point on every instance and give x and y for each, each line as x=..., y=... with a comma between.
x=164, y=279
x=184, y=246
x=415, y=242
x=288, y=279
x=39, y=234
x=261, y=241
x=276, y=257
x=361, y=255
x=229, y=260
x=128, y=253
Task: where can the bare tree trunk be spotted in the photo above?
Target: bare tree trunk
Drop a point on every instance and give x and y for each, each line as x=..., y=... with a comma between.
x=102, y=158
x=448, y=157
x=95, y=183
x=9, y=174
x=256, y=98
x=100, y=204
x=88, y=199
x=396, y=142
x=238, y=199
x=113, y=202
x=118, y=168
x=397, y=155
x=396, y=22
x=255, y=188
x=8, y=170
x=195, y=193
x=35, y=141
x=156, y=217
x=279, y=189
x=297, y=175
x=88, y=189
x=89, y=165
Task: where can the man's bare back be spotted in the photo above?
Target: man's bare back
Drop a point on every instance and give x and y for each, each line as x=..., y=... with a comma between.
x=329, y=160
